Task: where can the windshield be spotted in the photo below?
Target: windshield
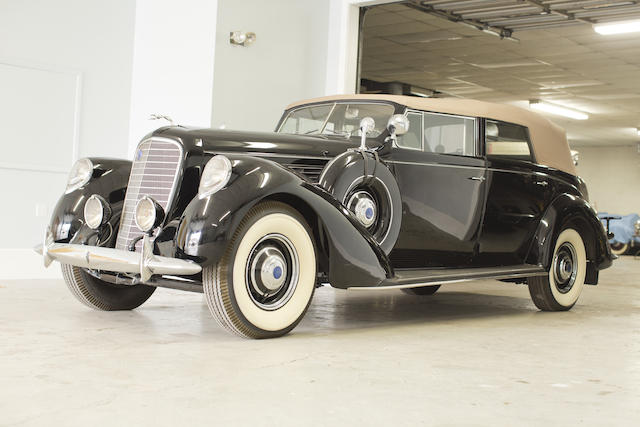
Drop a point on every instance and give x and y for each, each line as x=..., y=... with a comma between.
x=336, y=119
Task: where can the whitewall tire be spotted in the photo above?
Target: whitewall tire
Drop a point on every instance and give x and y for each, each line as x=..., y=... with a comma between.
x=560, y=288
x=262, y=286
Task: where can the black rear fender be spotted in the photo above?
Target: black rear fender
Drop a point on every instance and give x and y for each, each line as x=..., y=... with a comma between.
x=569, y=210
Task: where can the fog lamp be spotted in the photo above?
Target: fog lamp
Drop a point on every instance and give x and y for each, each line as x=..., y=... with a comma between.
x=149, y=214
x=96, y=211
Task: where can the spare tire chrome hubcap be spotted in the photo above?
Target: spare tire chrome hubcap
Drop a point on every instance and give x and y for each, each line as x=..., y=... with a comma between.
x=364, y=207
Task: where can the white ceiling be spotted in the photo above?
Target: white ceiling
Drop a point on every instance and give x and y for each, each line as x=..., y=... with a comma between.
x=572, y=66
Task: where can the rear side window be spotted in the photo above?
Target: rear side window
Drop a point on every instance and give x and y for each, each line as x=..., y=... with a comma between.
x=507, y=141
x=449, y=134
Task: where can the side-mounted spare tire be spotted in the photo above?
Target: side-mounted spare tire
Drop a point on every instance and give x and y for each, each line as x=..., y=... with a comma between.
x=366, y=186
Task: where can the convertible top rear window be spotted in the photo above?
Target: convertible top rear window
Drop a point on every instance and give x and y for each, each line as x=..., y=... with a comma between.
x=507, y=140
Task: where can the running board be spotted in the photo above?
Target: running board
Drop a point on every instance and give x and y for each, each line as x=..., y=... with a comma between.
x=418, y=278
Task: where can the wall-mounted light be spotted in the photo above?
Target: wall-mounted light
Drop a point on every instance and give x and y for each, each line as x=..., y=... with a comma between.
x=558, y=110
x=241, y=38
x=617, y=27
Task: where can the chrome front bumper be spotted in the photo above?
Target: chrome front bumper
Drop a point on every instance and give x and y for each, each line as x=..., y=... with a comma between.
x=144, y=263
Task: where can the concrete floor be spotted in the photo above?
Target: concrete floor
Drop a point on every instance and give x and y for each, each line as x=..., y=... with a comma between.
x=473, y=354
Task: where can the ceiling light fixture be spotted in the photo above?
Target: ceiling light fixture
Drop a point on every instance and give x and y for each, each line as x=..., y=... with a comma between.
x=617, y=27
x=546, y=107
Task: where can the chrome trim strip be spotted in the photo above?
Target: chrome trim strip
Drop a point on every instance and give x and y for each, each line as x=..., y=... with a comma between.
x=264, y=154
x=444, y=281
x=406, y=286
x=440, y=165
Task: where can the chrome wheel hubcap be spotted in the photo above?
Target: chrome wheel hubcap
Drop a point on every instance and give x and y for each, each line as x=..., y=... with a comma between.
x=272, y=271
x=565, y=267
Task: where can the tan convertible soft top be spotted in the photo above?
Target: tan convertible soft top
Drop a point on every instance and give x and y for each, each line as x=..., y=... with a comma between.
x=549, y=140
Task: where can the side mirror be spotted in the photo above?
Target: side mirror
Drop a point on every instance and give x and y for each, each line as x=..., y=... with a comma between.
x=398, y=124
x=366, y=125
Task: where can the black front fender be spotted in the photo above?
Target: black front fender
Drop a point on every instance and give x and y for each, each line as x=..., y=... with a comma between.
x=208, y=224
x=109, y=180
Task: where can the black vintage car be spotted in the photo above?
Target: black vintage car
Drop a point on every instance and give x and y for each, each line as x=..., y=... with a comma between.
x=360, y=191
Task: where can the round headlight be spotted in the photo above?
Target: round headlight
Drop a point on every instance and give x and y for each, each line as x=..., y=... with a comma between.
x=149, y=214
x=215, y=176
x=80, y=174
x=96, y=212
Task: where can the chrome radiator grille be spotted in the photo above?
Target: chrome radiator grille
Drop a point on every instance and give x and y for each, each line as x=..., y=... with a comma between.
x=154, y=173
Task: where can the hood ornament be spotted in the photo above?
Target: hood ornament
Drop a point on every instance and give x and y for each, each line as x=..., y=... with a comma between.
x=162, y=117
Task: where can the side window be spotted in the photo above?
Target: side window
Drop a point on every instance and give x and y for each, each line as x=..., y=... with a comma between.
x=413, y=138
x=449, y=134
x=507, y=141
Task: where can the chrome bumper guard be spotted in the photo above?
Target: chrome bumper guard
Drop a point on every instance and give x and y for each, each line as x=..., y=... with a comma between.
x=144, y=263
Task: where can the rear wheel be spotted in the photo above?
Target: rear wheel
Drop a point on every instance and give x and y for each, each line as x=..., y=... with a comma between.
x=559, y=290
x=262, y=286
x=424, y=290
x=102, y=295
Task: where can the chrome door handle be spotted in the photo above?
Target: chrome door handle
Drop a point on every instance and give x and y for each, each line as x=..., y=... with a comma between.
x=477, y=178
x=543, y=183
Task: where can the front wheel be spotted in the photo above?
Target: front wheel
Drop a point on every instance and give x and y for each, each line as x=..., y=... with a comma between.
x=559, y=290
x=262, y=286
x=101, y=295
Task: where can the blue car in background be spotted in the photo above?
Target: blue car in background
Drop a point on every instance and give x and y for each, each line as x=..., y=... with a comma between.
x=626, y=232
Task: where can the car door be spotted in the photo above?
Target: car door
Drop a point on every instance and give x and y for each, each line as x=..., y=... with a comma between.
x=517, y=195
x=441, y=179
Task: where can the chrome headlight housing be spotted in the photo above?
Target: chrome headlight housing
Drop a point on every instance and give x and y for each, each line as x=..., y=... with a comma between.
x=80, y=174
x=149, y=214
x=96, y=211
x=215, y=176
x=637, y=227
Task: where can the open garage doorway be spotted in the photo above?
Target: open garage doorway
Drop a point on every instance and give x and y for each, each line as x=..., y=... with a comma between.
x=520, y=52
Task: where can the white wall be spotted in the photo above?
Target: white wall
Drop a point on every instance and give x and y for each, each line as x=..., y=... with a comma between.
x=65, y=71
x=252, y=85
x=612, y=175
x=173, y=64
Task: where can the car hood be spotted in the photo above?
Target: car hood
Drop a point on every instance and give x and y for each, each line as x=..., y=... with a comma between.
x=219, y=141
